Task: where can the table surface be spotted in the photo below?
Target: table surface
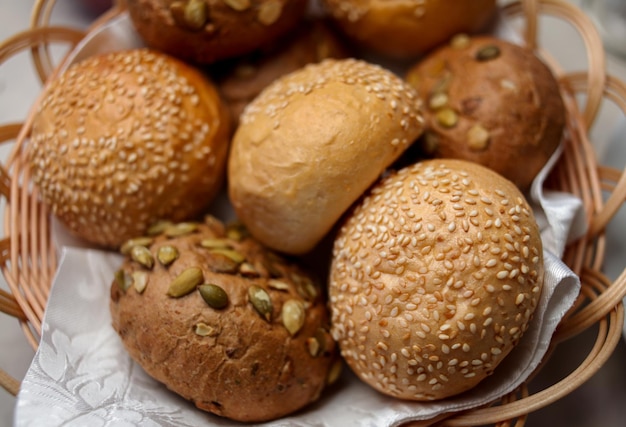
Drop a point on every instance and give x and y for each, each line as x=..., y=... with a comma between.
x=599, y=402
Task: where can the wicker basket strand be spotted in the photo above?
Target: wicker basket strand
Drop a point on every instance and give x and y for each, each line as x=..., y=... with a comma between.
x=28, y=254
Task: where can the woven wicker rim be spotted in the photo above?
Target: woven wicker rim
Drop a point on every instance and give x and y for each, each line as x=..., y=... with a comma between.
x=28, y=259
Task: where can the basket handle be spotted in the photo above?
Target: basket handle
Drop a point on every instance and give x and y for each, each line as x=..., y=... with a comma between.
x=8, y=304
x=530, y=10
x=40, y=18
x=8, y=48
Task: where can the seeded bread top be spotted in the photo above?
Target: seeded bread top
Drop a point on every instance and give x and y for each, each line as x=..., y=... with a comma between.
x=125, y=138
x=222, y=321
x=205, y=31
x=435, y=277
x=491, y=102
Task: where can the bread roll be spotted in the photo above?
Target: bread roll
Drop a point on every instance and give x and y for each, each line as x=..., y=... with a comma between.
x=491, y=102
x=123, y=139
x=243, y=78
x=434, y=279
x=406, y=29
x=205, y=31
x=223, y=322
x=311, y=143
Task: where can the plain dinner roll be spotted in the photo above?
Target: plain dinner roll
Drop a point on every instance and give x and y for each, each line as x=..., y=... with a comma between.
x=123, y=139
x=434, y=279
x=311, y=143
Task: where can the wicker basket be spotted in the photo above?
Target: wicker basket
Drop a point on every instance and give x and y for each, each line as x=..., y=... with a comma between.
x=28, y=259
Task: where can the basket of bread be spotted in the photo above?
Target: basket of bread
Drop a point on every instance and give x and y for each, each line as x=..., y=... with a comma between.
x=290, y=212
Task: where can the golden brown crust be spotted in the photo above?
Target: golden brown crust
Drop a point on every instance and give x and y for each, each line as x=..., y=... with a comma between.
x=205, y=31
x=241, y=80
x=311, y=143
x=491, y=102
x=434, y=279
x=408, y=28
x=112, y=150
x=229, y=360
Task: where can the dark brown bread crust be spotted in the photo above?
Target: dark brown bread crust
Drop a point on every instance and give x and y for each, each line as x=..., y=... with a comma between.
x=244, y=367
x=493, y=103
x=224, y=29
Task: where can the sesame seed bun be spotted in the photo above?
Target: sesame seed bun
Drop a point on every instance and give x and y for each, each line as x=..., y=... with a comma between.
x=123, y=139
x=491, y=102
x=434, y=279
x=311, y=143
x=406, y=29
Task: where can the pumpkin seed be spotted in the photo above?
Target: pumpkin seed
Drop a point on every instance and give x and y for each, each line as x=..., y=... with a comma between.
x=322, y=337
x=205, y=330
x=248, y=270
x=293, y=316
x=185, y=282
x=181, y=229
x=269, y=12
x=141, y=241
x=192, y=16
x=142, y=255
x=447, y=117
x=305, y=287
x=261, y=301
x=232, y=254
x=167, y=254
x=313, y=345
x=460, y=41
x=158, y=227
x=213, y=295
x=215, y=243
x=140, y=281
x=437, y=101
x=334, y=372
x=238, y=5
x=123, y=279
x=477, y=138
x=488, y=53
x=237, y=231
x=223, y=264
x=278, y=285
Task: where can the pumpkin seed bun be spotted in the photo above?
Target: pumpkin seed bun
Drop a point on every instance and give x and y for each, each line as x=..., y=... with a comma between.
x=242, y=79
x=222, y=321
x=205, y=31
x=435, y=276
x=123, y=139
x=407, y=29
x=311, y=143
x=491, y=102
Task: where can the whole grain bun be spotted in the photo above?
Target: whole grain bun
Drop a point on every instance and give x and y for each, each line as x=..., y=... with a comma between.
x=123, y=139
x=311, y=143
x=242, y=79
x=492, y=102
x=205, y=31
x=223, y=322
x=434, y=279
x=406, y=29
